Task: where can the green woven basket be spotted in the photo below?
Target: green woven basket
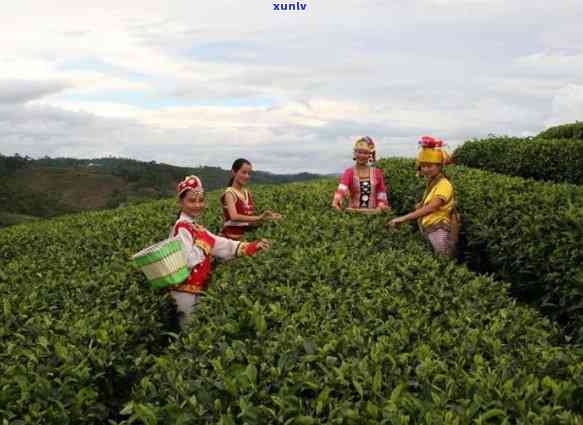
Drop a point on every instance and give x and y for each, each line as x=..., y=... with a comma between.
x=164, y=263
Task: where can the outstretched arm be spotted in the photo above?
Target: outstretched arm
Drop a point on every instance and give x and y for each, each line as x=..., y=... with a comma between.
x=433, y=206
x=227, y=249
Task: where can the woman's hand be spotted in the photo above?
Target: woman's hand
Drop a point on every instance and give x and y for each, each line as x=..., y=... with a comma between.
x=396, y=222
x=252, y=248
x=273, y=215
x=336, y=204
x=263, y=245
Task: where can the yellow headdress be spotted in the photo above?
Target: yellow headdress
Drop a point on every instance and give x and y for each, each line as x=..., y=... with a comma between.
x=432, y=152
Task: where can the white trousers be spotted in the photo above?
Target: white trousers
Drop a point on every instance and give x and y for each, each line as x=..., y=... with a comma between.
x=184, y=305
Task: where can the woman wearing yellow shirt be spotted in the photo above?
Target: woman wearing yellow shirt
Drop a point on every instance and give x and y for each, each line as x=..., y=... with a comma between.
x=435, y=214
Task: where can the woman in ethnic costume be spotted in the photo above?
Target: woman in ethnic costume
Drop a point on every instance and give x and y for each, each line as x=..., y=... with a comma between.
x=436, y=213
x=363, y=184
x=237, y=201
x=200, y=246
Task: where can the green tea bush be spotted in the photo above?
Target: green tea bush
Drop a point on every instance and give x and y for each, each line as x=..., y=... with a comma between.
x=77, y=325
x=557, y=160
x=564, y=131
x=342, y=322
x=527, y=233
x=345, y=322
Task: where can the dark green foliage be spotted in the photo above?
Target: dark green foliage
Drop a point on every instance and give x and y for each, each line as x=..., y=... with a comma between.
x=558, y=160
x=342, y=322
x=153, y=174
x=565, y=131
x=26, y=201
x=525, y=232
x=10, y=164
x=9, y=219
x=77, y=325
x=113, y=182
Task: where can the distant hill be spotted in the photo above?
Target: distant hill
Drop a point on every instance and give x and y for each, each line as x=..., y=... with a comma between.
x=47, y=187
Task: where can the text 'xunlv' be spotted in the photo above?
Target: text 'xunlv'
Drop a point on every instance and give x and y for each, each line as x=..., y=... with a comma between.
x=290, y=6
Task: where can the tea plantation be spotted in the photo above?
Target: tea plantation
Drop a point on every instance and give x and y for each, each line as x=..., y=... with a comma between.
x=564, y=131
x=555, y=154
x=558, y=160
x=341, y=322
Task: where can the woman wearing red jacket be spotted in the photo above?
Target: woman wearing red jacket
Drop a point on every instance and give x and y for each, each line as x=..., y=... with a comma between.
x=200, y=246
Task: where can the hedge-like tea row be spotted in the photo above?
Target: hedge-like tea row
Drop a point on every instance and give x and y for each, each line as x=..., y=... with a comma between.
x=77, y=326
x=558, y=160
x=345, y=322
x=342, y=322
x=527, y=233
x=77, y=323
x=564, y=131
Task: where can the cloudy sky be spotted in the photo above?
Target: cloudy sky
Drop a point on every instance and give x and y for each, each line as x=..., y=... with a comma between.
x=205, y=81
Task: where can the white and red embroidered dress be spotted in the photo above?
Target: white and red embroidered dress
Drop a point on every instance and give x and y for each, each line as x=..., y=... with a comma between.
x=200, y=246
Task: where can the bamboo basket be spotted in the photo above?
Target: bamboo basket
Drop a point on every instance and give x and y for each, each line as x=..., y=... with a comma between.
x=164, y=263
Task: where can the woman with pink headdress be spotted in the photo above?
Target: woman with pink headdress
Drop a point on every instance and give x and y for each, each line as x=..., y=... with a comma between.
x=436, y=213
x=363, y=184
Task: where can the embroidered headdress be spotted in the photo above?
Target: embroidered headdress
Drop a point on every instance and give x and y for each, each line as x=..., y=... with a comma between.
x=189, y=183
x=366, y=143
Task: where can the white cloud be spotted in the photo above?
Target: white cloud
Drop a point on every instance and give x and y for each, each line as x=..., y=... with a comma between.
x=205, y=81
x=21, y=91
x=567, y=105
